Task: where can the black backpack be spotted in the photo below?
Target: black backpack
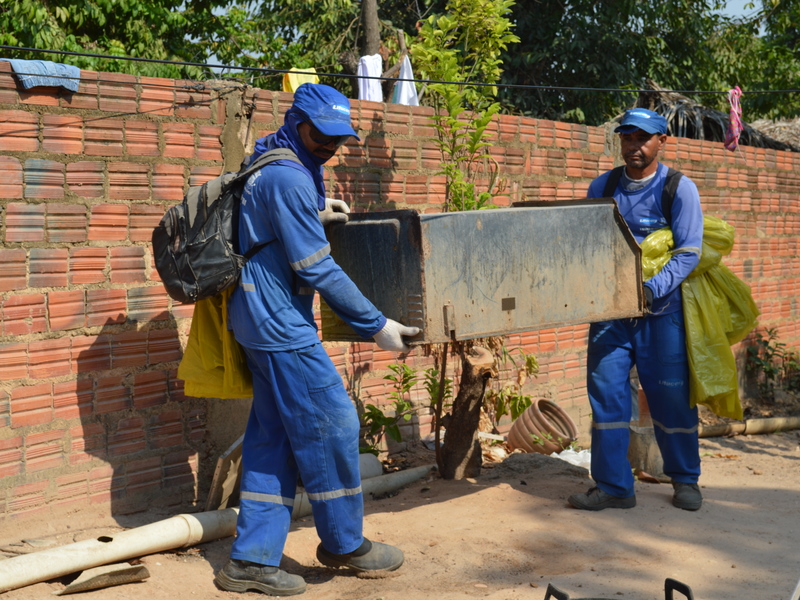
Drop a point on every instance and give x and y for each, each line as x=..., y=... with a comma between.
x=671, y=182
x=195, y=245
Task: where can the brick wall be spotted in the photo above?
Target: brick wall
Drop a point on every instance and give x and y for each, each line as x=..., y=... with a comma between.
x=91, y=410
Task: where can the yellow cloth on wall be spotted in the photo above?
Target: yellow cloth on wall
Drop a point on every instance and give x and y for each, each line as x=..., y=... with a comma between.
x=718, y=310
x=214, y=364
x=297, y=77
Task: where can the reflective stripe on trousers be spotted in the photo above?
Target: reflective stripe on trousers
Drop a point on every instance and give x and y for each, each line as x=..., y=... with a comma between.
x=657, y=346
x=302, y=422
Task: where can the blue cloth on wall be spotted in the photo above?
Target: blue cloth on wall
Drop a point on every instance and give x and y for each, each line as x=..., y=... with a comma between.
x=35, y=73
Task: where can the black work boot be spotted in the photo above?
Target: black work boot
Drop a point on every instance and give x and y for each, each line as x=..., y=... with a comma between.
x=369, y=556
x=687, y=496
x=242, y=575
x=597, y=499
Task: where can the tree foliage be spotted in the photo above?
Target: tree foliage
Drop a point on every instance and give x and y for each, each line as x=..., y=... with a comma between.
x=681, y=44
x=154, y=29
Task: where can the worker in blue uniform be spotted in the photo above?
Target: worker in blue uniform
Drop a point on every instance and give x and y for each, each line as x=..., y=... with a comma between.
x=654, y=343
x=302, y=420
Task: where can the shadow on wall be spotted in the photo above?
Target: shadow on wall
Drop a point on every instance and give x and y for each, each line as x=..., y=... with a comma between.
x=153, y=441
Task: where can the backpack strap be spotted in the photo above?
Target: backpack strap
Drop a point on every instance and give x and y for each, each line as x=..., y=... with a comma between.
x=245, y=172
x=612, y=181
x=671, y=182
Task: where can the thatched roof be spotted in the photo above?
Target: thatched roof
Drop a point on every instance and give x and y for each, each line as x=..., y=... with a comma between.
x=687, y=118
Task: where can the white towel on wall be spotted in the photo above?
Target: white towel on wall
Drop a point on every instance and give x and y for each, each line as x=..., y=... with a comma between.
x=370, y=89
x=405, y=92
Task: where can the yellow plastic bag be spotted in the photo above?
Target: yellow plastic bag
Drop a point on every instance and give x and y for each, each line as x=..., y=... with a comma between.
x=718, y=311
x=214, y=364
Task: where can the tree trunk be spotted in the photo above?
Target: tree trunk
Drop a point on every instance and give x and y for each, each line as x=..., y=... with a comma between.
x=461, y=454
x=371, y=42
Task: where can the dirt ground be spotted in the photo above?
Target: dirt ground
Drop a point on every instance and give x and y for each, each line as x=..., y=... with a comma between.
x=509, y=533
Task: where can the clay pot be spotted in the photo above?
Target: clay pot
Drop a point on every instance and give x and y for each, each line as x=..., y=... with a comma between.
x=544, y=428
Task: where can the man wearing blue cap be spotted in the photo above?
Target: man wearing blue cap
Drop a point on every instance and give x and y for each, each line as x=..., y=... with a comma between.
x=302, y=422
x=654, y=343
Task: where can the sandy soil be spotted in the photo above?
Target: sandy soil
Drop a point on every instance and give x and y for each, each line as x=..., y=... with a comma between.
x=510, y=532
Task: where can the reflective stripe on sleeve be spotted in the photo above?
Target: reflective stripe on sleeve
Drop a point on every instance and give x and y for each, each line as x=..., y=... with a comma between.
x=617, y=425
x=310, y=260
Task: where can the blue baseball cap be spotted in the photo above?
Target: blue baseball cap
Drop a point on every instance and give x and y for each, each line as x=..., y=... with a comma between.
x=326, y=108
x=641, y=118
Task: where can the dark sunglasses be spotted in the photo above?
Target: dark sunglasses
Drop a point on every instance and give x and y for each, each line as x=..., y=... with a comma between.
x=326, y=140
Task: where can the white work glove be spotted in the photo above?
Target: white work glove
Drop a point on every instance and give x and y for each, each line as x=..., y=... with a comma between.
x=335, y=211
x=391, y=336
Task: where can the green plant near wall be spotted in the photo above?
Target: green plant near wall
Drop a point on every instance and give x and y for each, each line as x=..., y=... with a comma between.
x=377, y=422
x=464, y=45
x=509, y=400
x=774, y=366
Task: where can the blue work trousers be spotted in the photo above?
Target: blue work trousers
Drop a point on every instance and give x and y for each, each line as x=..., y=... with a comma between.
x=657, y=346
x=302, y=422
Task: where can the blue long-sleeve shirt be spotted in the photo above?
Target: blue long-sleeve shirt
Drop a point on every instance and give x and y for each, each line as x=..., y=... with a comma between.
x=641, y=210
x=272, y=309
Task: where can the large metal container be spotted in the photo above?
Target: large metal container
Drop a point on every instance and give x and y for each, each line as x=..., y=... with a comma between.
x=464, y=275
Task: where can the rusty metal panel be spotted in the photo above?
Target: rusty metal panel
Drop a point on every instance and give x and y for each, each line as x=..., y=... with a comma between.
x=465, y=275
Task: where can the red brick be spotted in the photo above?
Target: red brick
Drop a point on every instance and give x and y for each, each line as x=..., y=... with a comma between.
x=8, y=86
x=158, y=96
x=91, y=353
x=127, y=264
x=179, y=469
x=163, y=346
x=168, y=182
x=148, y=304
x=86, y=96
x=86, y=178
x=72, y=485
x=141, y=138
x=88, y=439
x=129, y=349
x=108, y=223
x=143, y=474
x=13, y=274
x=149, y=389
x=103, y=137
x=73, y=399
x=200, y=175
x=48, y=267
x=43, y=178
x=178, y=140
x=210, y=142
x=66, y=223
x=106, y=307
x=166, y=430
x=25, y=496
x=144, y=218
x=19, y=131
x=87, y=265
x=118, y=92
x=63, y=134
x=11, y=176
x=11, y=456
x=128, y=181
x=67, y=310
x=24, y=314
x=45, y=95
x=128, y=439
x=111, y=396
x=31, y=405
x=191, y=102
x=49, y=358
x=25, y=222
x=13, y=361
x=44, y=450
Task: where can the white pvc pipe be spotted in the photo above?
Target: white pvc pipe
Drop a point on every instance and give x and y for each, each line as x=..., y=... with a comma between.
x=176, y=532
